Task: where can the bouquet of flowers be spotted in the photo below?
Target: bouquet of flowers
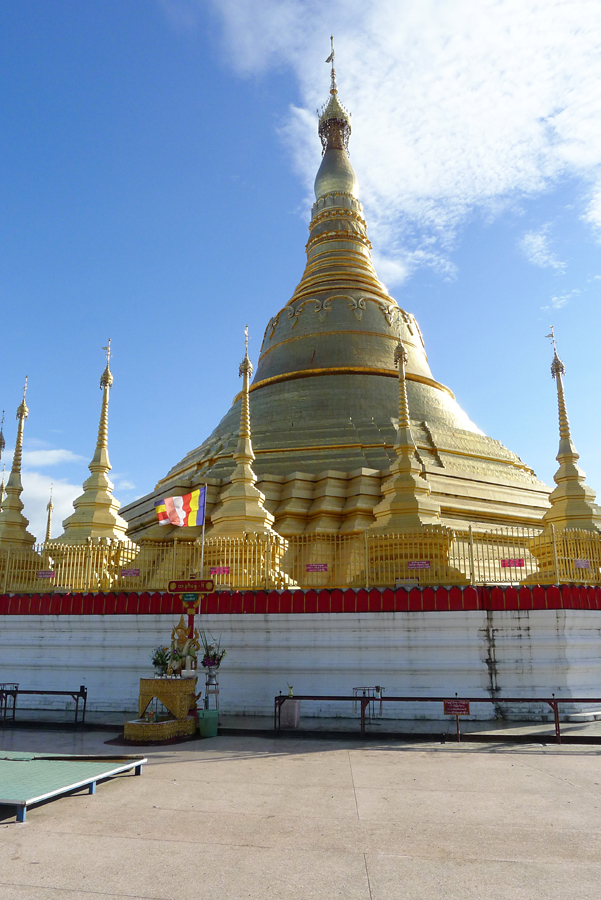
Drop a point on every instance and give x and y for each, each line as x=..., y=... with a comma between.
x=212, y=652
x=161, y=657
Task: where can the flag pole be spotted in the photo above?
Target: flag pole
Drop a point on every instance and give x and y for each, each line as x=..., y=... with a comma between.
x=202, y=546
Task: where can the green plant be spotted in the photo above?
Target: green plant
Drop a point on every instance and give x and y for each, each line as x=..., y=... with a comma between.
x=161, y=657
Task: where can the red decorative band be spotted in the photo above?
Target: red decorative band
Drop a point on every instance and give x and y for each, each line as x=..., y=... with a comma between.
x=353, y=600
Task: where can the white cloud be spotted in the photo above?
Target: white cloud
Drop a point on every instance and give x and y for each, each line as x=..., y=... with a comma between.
x=35, y=496
x=50, y=457
x=54, y=457
x=535, y=247
x=457, y=107
x=560, y=300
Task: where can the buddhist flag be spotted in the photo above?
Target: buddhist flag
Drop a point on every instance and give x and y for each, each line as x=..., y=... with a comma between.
x=183, y=511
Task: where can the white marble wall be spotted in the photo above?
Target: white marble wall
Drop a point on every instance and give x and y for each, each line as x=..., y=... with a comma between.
x=433, y=653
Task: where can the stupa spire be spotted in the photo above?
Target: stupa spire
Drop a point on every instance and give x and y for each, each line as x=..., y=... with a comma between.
x=241, y=509
x=49, y=509
x=2, y=487
x=13, y=524
x=573, y=501
x=96, y=511
x=407, y=504
x=2, y=440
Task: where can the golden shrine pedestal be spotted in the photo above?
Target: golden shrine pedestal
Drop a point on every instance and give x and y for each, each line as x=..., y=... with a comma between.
x=178, y=696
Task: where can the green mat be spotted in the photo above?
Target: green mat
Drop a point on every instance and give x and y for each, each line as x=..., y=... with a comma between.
x=27, y=778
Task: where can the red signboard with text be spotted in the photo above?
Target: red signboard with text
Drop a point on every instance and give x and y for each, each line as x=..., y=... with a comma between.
x=200, y=586
x=456, y=707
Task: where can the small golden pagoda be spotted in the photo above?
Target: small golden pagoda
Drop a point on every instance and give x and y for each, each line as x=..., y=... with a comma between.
x=96, y=511
x=324, y=402
x=573, y=501
x=13, y=524
x=569, y=542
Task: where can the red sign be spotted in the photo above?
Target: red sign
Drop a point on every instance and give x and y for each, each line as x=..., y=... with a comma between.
x=130, y=573
x=456, y=707
x=512, y=563
x=204, y=586
x=316, y=567
x=220, y=570
x=418, y=564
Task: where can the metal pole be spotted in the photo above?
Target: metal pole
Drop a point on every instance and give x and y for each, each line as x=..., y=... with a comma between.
x=174, y=558
x=555, y=563
x=366, y=562
x=471, y=550
x=557, y=726
x=202, y=546
x=7, y=563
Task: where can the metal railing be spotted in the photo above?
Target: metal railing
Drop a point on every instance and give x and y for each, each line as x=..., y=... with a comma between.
x=539, y=704
x=433, y=556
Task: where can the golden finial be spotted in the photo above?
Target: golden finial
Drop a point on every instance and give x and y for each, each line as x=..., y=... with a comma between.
x=557, y=367
x=2, y=441
x=334, y=120
x=106, y=379
x=2, y=487
x=330, y=59
x=246, y=365
x=22, y=411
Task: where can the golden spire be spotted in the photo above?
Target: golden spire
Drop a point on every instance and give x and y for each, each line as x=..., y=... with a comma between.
x=2, y=490
x=573, y=501
x=49, y=508
x=13, y=524
x=2, y=441
x=96, y=511
x=407, y=504
x=241, y=508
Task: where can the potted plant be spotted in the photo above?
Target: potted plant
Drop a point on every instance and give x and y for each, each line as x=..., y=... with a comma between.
x=161, y=657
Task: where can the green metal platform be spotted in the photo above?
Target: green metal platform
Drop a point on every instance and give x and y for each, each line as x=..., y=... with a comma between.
x=28, y=778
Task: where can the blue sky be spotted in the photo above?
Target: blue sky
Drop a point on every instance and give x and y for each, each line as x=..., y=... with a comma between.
x=156, y=163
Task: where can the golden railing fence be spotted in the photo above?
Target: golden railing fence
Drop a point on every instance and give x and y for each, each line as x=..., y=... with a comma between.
x=434, y=555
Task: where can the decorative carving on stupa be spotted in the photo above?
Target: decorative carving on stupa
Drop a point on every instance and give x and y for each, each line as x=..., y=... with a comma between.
x=96, y=511
x=242, y=509
x=13, y=524
x=573, y=501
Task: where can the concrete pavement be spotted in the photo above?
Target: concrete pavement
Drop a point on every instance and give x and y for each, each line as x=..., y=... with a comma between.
x=253, y=817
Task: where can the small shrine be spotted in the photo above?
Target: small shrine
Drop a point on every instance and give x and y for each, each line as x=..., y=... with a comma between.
x=169, y=704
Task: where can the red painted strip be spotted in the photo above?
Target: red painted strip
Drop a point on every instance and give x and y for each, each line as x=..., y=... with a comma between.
x=426, y=599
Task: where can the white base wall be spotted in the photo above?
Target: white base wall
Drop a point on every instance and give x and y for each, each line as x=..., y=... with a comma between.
x=477, y=653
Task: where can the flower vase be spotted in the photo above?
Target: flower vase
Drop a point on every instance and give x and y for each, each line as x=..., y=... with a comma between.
x=211, y=674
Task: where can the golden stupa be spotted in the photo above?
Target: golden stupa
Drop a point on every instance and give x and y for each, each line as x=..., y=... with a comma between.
x=324, y=402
